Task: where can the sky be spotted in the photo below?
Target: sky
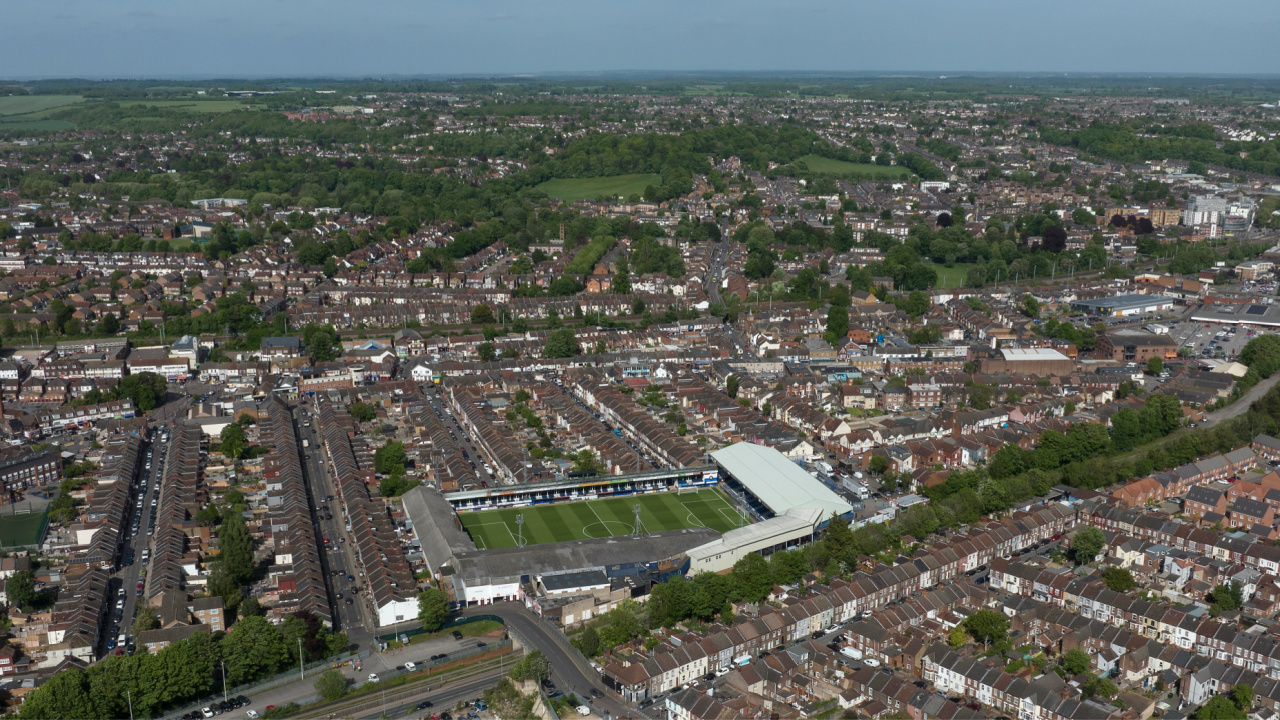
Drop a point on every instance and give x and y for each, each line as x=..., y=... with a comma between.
x=362, y=38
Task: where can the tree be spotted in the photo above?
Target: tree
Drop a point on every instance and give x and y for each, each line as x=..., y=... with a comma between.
x=233, y=441
x=752, y=580
x=1243, y=695
x=253, y=649
x=63, y=695
x=1087, y=543
x=21, y=589
x=533, y=666
x=390, y=458
x=837, y=324
x=731, y=386
x=236, y=558
x=879, y=464
x=1030, y=306
x=1155, y=366
x=980, y=396
x=561, y=343
x=1118, y=579
x=1076, y=661
x=587, y=461
x=363, y=411
x=145, y=620
x=1228, y=597
x=331, y=684
x=1218, y=708
x=1082, y=216
x=1099, y=686
x=589, y=642
x=487, y=352
x=433, y=609
x=482, y=315
x=958, y=637
x=988, y=626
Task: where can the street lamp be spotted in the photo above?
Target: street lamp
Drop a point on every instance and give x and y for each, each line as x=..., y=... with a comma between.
x=224, y=680
x=129, y=695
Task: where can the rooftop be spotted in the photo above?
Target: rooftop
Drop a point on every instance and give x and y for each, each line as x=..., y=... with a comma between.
x=1040, y=354
x=777, y=481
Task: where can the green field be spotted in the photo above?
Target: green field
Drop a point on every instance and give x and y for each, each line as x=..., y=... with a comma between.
x=24, y=104
x=601, y=518
x=827, y=166
x=570, y=189
x=952, y=277
x=209, y=106
x=22, y=529
x=50, y=125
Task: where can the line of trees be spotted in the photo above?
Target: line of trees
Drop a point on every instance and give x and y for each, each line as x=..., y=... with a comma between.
x=253, y=649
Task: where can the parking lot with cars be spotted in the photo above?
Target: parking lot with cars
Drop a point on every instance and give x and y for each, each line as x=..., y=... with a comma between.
x=1212, y=340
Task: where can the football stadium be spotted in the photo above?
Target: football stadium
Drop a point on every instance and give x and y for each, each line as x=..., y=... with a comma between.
x=608, y=517
x=503, y=543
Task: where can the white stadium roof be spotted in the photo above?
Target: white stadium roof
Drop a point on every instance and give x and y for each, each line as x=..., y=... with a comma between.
x=778, y=482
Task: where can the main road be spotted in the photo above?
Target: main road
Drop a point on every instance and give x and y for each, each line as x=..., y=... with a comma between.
x=569, y=669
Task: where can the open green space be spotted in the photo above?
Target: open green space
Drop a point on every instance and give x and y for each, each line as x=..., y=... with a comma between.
x=828, y=166
x=36, y=125
x=209, y=106
x=22, y=529
x=570, y=189
x=610, y=517
x=952, y=277
x=24, y=104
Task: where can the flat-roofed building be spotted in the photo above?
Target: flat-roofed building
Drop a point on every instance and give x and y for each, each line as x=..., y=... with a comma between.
x=1136, y=346
x=1027, y=361
x=1124, y=305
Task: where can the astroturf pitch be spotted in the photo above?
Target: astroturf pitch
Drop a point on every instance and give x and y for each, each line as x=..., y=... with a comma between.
x=580, y=520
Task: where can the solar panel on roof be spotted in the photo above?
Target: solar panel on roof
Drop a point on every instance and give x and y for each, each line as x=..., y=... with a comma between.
x=1256, y=310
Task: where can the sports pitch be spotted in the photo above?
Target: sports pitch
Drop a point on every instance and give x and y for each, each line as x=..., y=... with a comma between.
x=23, y=528
x=708, y=507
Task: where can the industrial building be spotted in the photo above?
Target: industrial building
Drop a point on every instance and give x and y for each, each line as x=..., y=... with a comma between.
x=1136, y=346
x=1123, y=305
x=1247, y=314
x=1040, y=362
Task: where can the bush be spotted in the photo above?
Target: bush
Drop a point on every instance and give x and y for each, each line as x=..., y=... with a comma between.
x=331, y=684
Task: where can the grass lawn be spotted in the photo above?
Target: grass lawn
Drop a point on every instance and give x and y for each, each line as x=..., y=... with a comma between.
x=819, y=164
x=601, y=518
x=952, y=277
x=21, y=529
x=570, y=189
x=23, y=104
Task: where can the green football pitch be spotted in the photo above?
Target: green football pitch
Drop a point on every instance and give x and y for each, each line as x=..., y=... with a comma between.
x=23, y=528
x=609, y=517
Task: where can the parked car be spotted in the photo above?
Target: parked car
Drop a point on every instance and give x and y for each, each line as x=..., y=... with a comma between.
x=373, y=678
